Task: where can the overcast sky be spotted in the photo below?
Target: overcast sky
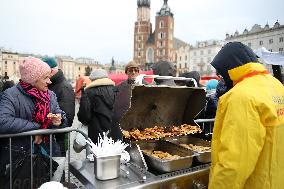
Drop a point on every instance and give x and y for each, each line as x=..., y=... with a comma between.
x=102, y=29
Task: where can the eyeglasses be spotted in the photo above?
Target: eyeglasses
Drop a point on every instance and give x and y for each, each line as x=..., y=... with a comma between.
x=133, y=70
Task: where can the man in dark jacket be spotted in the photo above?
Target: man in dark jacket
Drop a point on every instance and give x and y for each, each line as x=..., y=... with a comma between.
x=96, y=106
x=123, y=93
x=65, y=96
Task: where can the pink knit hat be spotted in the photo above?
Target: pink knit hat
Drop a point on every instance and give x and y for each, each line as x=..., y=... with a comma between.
x=32, y=69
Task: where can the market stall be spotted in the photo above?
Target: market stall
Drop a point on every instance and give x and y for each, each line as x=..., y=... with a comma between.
x=160, y=120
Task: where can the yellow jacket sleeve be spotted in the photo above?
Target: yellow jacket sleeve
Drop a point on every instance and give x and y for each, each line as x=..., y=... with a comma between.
x=238, y=141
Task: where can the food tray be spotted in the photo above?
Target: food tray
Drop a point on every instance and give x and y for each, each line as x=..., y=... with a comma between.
x=162, y=165
x=203, y=157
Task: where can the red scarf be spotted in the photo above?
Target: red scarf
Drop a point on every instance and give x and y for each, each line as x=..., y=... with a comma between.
x=42, y=100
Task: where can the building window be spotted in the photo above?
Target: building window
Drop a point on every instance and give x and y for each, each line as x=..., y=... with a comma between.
x=281, y=50
x=180, y=66
x=161, y=43
x=79, y=68
x=185, y=65
x=201, y=52
x=139, y=38
x=139, y=54
x=281, y=39
x=260, y=42
x=5, y=62
x=209, y=59
x=162, y=24
x=185, y=57
x=249, y=44
x=270, y=41
x=180, y=58
x=162, y=35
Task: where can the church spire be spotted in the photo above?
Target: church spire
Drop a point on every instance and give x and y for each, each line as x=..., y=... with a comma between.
x=165, y=10
x=143, y=3
x=165, y=2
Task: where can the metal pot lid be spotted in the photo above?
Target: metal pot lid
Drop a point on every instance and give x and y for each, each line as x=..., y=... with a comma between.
x=163, y=106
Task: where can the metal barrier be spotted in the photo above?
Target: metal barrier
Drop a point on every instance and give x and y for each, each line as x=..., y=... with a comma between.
x=203, y=123
x=49, y=132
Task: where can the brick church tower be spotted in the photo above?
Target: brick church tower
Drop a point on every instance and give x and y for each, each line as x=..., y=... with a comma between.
x=151, y=47
x=164, y=30
x=142, y=31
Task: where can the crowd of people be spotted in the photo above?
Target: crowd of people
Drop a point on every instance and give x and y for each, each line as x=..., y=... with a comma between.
x=247, y=104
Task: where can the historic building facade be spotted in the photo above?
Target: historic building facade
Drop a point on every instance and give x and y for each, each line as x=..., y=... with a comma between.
x=198, y=57
x=10, y=65
x=153, y=46
x=72, y=68
x=272, y=38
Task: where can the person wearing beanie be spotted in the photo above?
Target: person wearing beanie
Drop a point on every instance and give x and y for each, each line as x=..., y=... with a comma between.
x=65, y=97
x=211, y=105
x=132, y=71
x=52, y=64
x=27, y=106
x=123, y=92
x=98, y=74
x=96, y=106
x=247, y=142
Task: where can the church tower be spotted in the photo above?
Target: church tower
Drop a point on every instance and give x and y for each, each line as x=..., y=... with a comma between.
x=142, y=31
x=164, y=31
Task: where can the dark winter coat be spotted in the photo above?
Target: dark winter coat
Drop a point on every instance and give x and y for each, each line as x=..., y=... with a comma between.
x=221, y=88
x=211, y=104
x=16, y=110
x=96, y=108
x=122, y=102
x=65, y=95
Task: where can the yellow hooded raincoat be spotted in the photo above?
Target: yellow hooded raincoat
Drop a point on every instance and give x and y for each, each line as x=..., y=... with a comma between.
x=248, y=136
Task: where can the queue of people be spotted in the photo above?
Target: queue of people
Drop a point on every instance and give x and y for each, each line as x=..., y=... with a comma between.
x=247, y=104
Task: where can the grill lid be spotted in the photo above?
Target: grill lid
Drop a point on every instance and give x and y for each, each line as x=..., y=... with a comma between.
x=163, y=106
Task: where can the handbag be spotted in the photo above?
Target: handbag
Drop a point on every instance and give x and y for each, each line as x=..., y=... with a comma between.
x=21, y=170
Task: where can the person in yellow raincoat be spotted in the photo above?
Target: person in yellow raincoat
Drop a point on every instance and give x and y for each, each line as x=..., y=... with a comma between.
x=248, y=135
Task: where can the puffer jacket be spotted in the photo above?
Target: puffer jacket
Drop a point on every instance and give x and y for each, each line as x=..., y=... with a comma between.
x=16, y=110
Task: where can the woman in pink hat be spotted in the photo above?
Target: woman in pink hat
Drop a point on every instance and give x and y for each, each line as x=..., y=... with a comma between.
x=28, y=106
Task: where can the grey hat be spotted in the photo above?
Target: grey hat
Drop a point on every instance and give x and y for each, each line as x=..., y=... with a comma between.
x=98, y=74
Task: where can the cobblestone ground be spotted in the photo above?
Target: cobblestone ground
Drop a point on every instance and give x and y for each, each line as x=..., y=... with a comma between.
x=73, y=155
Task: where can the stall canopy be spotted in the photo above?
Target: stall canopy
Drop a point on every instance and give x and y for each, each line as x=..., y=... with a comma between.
x=118, y=78
x=272, y=58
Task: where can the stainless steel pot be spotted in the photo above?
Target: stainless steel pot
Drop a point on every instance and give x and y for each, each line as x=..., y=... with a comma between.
x=107, y=168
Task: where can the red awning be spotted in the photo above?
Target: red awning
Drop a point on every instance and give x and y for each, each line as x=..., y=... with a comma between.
x=118, y=78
